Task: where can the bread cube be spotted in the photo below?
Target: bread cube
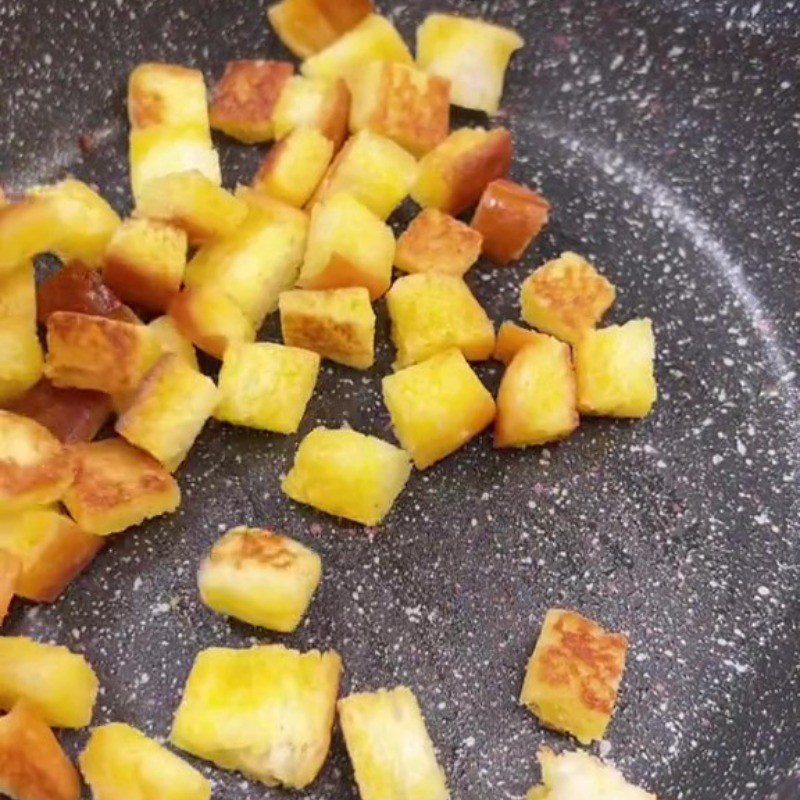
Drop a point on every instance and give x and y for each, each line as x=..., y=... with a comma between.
x=118, y=486
x=144, y=262
x=32, y=764
x=260, y=577
x=27, y=229
x=567, y=774
x=294, y=167
x=58, y=684
x=347, y=474
x=190, y=201
x=453, y=175
x=168, y=410
x=401, y=103
x=313, y=103
x=35, y=468
x=245, y=97
x=266, y=711
x=121, y=763
x=437, y=406
x=472, y=54
x=374, y=38
x=266, y=386
x=51, y=548
x=511, y=338
x=573, y=676
x=166, y=95
x=431, y=312
x=339, y=324
x=389, y=746
x=437, y=242
x=509, y=217
x=308, y=26
x=10, y=569
x=89, y=352
x=537, y=399
x=347, y=246
x=172, y=340
x=566, y=297
x=615, y=370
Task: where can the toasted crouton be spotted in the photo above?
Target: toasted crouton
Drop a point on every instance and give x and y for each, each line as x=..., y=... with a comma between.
x=244, y=99
x=27, y=229
x=511, y=338
x=117, y=486
x=10, y=569
x=314, y=103
x=437, y=242
x=172, y=340
x=35, y=468
x=166, y=95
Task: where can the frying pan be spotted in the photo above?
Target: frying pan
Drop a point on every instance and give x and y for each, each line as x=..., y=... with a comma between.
x=665, y=136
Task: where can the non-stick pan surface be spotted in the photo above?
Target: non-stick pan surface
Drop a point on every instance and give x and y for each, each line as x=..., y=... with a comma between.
x=665, y=135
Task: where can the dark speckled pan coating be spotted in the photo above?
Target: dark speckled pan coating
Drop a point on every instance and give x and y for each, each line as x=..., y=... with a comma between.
x=663, y=135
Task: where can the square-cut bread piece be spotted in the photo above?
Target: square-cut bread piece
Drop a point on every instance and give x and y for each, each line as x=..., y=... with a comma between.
x=58, y=684
x=166, y=95
x=260, y=577
x=347, y=474
x=118, y=486
x=511, y=338
x=339, y=324
x=172, y=340
x=121, y=763
x=574, y=674
x=266, y=386
x=431, y=312
x=390, y=748
x=537, y=400
x=314, y=103
x=266, y=712
x=437, y=406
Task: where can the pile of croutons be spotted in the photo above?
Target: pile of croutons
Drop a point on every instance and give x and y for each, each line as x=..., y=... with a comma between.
x=363, y=127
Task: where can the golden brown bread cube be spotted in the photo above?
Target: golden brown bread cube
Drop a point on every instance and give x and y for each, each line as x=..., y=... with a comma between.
x=10, y=569
x=437, y=242
x=245, y=97
x=574, y=674
x=166, y=95
x=35, y=468
x=118, y=486
x=511, y=338
x=89, y=352
x=144, y=262
x=401, y=103
x=453, y=175
x=314, y=103
x=339, y=324
x=168, y=410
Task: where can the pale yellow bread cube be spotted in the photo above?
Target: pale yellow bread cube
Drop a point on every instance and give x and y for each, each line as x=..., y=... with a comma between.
x=58, y=684
x=313, y=103
x=401, y=103
x=374, y=38
x=511, y=338
x=347, y=474
x=573, y=676
x=145, y=261
x=437, y=406
x=260, y=577
x=168, y=410
x=35, y=468
x=210, y=320
x=577, y=774
x=33, y=766
x=27, y=229
x=615, y=370
x=537, y=400
x=121, y=763
x=431, y=312
x=389, y=746
x=266, y=386
x=294, y=167
x=171, y=340
x=89, y=352
x=566, y=297
x=190, y=201
x=437, y=242
x=347, y=246
x=267, y=712
x=256, y=262
x=166, y=95
x=339, y=324
x=118, y=486
x=471, y=54
x=373, y=169
x=453, y=175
